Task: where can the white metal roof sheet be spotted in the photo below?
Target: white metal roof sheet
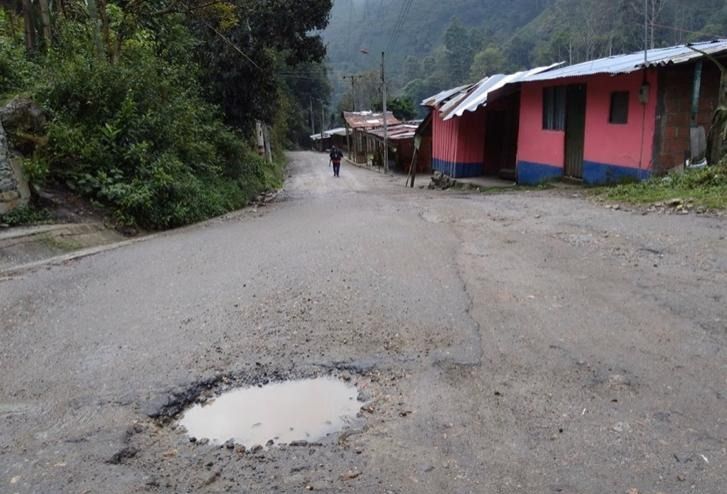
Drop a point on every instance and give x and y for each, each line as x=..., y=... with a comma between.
x=624, y=64
x=340, y=131
x=477, y=95
x=439, y=98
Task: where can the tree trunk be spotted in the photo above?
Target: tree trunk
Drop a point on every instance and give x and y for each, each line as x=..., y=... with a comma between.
x=105, y=29
x=93, y=14
x=45, y=19
x=29, y=28
x=61, y=7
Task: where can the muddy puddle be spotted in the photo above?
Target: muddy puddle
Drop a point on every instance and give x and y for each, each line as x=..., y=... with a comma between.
x=304, y=410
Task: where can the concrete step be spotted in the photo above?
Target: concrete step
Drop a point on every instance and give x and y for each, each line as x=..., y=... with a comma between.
x=24, y=245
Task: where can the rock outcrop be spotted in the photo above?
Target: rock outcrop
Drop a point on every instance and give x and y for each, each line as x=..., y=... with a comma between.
x=21, y=121
x=10, y=197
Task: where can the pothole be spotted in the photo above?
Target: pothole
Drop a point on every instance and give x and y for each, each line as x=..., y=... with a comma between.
x=278, y=413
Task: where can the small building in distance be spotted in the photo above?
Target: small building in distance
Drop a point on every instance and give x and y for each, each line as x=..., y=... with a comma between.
x=401, y=139
x=331, y=137
x=360, y=149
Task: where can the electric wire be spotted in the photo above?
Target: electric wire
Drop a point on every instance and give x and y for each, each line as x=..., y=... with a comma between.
x=681, y=30
x=400, y=24
x=395, y=33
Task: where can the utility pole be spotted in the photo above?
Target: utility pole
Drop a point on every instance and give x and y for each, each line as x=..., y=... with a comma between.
x=312, y=119
x=386, y=120
x=646, y=33
x=323, y=122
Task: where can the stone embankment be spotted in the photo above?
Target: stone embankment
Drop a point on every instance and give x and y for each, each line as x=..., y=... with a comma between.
x=21, y=121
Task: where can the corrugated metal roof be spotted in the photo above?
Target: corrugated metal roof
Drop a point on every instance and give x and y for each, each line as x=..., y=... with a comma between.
x=624, y=64
x=476, y=96
x=397, y=132
x=340, y=131
x=368, y=120
x=438, y=99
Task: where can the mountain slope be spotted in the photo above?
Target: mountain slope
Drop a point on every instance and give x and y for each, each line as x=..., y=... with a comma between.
x=443, y=44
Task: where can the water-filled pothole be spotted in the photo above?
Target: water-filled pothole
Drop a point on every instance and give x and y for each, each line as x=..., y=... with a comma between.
x=304, y=410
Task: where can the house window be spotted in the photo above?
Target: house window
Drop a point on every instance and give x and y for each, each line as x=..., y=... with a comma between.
x=554, y=108
x=619, y=108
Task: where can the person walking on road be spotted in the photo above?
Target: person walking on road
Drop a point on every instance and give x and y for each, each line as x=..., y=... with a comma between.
x=336, y=157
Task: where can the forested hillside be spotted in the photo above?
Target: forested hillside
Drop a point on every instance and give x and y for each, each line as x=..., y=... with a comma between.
x=443, y=44
x=149, y=107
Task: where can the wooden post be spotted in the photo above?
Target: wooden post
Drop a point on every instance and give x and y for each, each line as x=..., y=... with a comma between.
x=386, y=120
x=412, y=168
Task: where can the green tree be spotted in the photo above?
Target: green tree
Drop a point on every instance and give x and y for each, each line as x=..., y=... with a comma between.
x=151, y=104
x=402, y=107
x=458, y=52
x=274, y=36
x=412, y=68
x=489, y=61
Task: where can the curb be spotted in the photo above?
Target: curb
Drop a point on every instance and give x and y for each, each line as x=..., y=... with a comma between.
x=10, y=272
x=72, y=256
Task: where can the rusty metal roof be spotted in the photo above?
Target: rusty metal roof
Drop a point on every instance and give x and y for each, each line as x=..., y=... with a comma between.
x=476, y=96
x=625, y=64
x=368, y=120
x=399, y=132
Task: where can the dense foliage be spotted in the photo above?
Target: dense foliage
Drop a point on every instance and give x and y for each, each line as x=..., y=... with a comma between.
x=152, y=105
x=445, y=44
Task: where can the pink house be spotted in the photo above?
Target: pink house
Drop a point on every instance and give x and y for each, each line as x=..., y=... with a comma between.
x=618, y=118
x=475, y=127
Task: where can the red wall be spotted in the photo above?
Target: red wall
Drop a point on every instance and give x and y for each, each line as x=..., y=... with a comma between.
x=605, y=143
x=459, y=140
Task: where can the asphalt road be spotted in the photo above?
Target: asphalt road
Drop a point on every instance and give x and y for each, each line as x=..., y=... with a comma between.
x=528, y=342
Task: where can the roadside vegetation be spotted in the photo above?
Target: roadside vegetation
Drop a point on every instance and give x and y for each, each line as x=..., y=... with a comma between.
x=705, y=187
x=151, y=107
x=27, y=215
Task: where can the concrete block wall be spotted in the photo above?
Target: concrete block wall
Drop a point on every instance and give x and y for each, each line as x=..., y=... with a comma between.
x=672, y=137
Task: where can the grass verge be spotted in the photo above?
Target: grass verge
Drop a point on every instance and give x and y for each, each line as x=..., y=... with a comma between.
x=705, y=187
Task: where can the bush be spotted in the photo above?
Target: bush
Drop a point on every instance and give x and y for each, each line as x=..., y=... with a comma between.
x=138, y=137
x=27, y=215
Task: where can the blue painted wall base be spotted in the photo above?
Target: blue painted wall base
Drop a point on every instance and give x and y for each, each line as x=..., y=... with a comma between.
x=600, y=173
x=458, y=170
x=529, y=173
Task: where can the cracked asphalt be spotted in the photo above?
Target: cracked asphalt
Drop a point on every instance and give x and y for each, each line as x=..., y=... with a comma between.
x=522, y=342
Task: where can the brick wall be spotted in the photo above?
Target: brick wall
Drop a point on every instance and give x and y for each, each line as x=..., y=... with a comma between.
x=672, y=136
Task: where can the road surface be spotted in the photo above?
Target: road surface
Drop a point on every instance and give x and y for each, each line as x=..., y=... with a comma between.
x=527, y=342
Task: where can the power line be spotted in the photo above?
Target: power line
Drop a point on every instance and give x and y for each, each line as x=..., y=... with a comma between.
x=681, y=30
x=405, y=7
x=233, y=45
x=400, y=24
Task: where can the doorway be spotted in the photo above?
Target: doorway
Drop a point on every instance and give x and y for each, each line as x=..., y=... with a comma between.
x=575, y=130
x=501, y=137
